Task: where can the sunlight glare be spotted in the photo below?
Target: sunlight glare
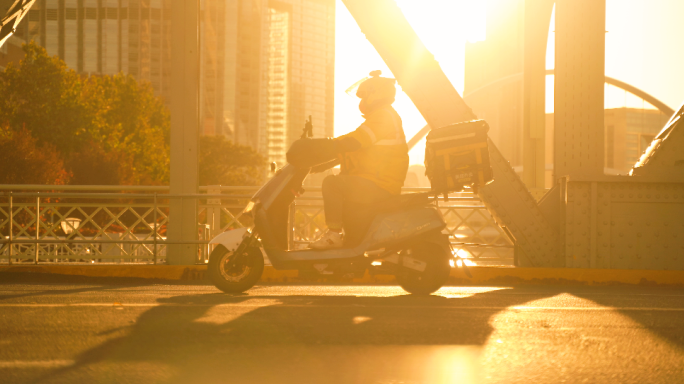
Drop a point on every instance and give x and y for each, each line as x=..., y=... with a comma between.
x=476, y=22
x=440, y=25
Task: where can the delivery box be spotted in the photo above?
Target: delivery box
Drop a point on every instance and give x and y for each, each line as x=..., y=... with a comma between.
x=458, y=155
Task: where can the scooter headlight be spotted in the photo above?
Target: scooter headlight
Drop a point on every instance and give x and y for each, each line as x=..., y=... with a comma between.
x=250, y=207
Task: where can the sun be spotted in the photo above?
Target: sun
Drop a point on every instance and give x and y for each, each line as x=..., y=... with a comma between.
x=476, y=23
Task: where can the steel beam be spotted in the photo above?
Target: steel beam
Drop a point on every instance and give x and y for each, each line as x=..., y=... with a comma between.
x=579, y=91
x=537, y=20
x=184, y=130
x=664, y=158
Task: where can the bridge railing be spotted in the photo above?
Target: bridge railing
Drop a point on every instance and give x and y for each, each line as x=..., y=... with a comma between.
x=102, y=224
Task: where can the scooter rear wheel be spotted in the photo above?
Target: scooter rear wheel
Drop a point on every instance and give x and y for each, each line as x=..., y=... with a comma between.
x=238, y=278
x=436, y=272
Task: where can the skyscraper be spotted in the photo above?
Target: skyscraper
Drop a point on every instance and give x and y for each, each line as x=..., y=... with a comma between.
x=266, y=65
x=276, y=67
x=105, y=36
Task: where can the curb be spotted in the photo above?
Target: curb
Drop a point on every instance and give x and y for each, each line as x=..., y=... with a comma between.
x=481, y=275
x=158, y=272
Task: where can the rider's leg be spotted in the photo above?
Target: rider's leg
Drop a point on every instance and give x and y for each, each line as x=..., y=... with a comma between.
x=333, y=204
x=333, y=190
x=343, y=192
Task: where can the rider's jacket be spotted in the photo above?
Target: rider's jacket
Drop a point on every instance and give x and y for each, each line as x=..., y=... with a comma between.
x=383, y=157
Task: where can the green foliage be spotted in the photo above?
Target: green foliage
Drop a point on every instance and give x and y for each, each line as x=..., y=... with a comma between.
x=24, y=161
x=222, y=162
x=44, y=96
x=107, y=129
x=131, y=126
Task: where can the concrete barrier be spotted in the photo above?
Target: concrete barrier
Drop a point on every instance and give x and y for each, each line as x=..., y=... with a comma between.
x=491, y=276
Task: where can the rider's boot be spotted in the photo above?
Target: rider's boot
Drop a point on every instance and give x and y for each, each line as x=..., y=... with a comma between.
x=330, y=239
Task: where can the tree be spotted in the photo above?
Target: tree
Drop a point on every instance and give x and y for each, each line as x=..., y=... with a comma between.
x=93, y=165
x=130, y=124
x=44, y=96
x=221, y=162
x=24, y=161
x=107, y=129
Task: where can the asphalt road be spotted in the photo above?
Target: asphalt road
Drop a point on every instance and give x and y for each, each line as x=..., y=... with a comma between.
x=95, y=333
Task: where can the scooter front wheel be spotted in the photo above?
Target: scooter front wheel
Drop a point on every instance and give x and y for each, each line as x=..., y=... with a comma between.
x=436, y=272
x=235, y=277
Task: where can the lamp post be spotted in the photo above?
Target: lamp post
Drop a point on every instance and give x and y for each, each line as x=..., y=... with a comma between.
x=70, y=224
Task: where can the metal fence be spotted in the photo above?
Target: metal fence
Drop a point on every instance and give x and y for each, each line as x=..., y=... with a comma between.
x=102, y=224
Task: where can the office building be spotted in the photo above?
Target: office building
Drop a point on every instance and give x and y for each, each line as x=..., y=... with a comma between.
x=285, y=56
x=105, y=36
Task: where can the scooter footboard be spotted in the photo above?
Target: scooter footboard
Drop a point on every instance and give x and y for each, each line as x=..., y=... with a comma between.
x=294, y=259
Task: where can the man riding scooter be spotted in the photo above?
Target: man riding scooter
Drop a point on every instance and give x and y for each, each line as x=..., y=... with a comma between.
x=384, y=231
x=374, y=160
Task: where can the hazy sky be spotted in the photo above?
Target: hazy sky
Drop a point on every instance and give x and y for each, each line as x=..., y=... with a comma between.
x=643, y=48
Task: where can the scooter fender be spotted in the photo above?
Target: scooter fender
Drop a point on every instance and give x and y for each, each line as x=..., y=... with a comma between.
x=230, y=239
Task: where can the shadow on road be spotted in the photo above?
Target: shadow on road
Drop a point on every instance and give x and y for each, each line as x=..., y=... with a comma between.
x=39, y=279
x=217, y=338
x=664, y=324
x=95, y=283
